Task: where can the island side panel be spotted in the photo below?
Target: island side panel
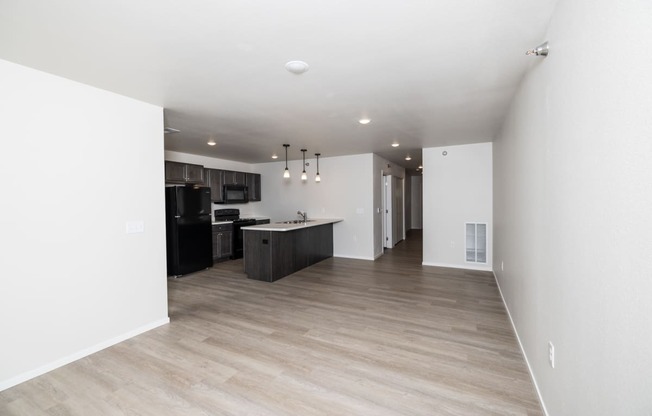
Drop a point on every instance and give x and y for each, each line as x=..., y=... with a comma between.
x=271, y=255
x=322, y=243
x=283, y=249
x=258, y=254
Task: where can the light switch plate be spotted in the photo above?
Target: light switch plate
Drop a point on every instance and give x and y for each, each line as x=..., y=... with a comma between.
x=133, y=227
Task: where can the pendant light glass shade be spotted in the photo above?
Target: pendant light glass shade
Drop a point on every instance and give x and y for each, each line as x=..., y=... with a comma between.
x=286, y=173
x=304, y=176
x=317, y=177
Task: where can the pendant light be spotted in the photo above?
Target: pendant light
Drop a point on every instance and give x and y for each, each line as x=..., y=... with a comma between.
x=286, y=174
x=304, y=176
x=317, y=177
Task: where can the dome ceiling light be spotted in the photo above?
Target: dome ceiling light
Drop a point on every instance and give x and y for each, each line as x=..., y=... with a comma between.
x=296, y=67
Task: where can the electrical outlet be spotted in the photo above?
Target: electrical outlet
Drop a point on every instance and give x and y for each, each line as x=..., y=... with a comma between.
x=502, y=266
x=551, y=354
x=452, y=243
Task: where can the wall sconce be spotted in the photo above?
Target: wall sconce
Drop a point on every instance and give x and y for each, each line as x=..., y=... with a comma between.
x=286, y=174
x=317, y=177
x=304, y=176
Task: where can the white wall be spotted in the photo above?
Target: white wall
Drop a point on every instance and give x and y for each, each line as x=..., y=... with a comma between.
x=345, y=191
x=573, y=204
x=457, y=189
x=77, y=163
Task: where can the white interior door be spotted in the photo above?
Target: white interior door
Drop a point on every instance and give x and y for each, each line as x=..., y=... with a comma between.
x=388, y=212
x=398, y=218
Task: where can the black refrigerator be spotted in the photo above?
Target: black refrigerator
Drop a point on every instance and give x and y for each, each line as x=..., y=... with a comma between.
x=188, y=229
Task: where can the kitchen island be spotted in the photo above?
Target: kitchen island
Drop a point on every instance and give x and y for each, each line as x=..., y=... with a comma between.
x=273, y=251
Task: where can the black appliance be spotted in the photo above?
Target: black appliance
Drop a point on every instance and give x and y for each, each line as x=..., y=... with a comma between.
x=188, y=229
x=235, y=194
x=233, y=214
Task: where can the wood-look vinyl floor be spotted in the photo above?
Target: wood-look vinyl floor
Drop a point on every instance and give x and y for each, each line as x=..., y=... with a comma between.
x=343, y=337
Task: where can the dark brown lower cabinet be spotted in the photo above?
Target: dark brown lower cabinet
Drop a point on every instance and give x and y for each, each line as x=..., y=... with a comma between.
x=271, y=255
x=222, y=242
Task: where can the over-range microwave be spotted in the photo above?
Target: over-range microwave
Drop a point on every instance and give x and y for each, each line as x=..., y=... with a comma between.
x=235, y=194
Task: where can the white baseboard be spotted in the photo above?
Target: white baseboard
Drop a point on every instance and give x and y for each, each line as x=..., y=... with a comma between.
x=340, y=256
x=457, y=266
x=28, y=375
x=520, y=344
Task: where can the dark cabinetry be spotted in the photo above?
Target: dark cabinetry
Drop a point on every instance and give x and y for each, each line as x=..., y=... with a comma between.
x=215, y=180
x=222, y=241
x=253, y=184
x=271, y=255
x=234, y=178
x=183, y=173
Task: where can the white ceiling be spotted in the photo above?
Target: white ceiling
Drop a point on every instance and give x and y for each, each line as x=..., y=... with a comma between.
x=427, y=72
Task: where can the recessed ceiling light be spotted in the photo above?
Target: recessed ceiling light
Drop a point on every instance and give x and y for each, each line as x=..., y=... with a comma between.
x=408, y=157
x=211, y=142
x=296, y=67
x=364, y=121
x=394, y=144
x=274, y=156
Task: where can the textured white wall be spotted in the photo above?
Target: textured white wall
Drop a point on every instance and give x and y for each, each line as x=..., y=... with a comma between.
x=573, y=199
x=77, y=163
x=457, y=188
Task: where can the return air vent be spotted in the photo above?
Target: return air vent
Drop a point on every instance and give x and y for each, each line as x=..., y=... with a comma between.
x=476, y=242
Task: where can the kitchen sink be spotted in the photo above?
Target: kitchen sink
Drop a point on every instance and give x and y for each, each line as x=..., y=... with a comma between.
x=293, y=222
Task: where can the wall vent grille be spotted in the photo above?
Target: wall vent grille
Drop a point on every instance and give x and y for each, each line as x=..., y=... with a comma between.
x=476, y=242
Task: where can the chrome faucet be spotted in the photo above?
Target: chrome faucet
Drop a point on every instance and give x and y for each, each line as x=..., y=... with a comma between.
x=304, y=215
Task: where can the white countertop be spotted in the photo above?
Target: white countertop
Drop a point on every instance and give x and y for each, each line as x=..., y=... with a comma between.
x=253, y=217
x=289, y=227
x=222, y=222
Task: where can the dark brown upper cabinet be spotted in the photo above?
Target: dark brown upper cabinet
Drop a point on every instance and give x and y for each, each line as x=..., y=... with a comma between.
x=253, y=185
x=234, y=178
x=215, y=180
x=183, y=173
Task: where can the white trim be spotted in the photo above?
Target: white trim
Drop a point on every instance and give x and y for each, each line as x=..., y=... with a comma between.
x=377, y=255
x=520, y=344
x=21, y=378
x=469, y=266
x=339, y=256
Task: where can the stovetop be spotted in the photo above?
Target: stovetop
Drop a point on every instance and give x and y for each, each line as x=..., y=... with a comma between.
x=230, y=214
